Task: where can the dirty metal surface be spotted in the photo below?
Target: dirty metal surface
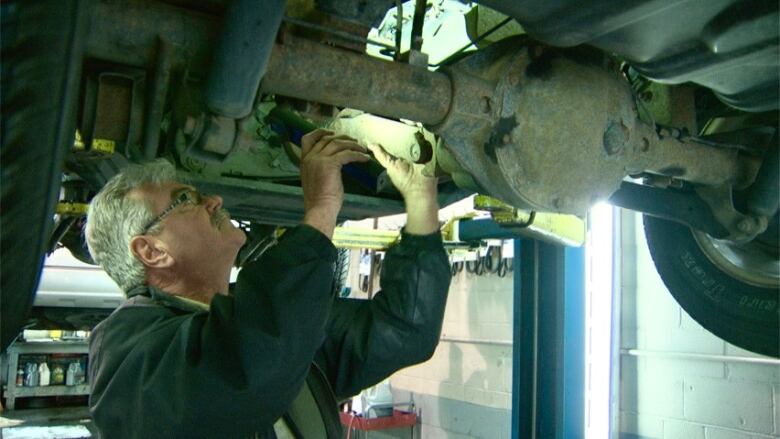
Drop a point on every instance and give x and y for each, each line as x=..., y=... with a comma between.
x=307, y=70
x=561, y=131
x=127, y=31
x=469, y=123
x=535, y=130
x=741, y=228
x=113, y=108
x=563, y=142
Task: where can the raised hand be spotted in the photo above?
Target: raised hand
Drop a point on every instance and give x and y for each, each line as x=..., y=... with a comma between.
x=419, y=191
x=322, y=156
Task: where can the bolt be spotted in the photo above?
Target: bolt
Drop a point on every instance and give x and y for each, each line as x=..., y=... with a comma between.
x=746, y=225
x=514, y=80
x=507, y=139
x=484, y=104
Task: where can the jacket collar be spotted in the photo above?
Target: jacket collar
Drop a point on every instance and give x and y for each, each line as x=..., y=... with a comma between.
x=167, y=299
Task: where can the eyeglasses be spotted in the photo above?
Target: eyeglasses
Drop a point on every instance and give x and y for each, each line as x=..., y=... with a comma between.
x=189, y=196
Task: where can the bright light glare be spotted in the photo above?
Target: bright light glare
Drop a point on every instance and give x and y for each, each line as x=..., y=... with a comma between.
x=598, y=319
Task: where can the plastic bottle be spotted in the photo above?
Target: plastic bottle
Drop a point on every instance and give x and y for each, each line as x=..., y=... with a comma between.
x=44, y=374
x=58, y=375
x=79, y=377
x=20, y=377
x=31, y=375
x=70, y=376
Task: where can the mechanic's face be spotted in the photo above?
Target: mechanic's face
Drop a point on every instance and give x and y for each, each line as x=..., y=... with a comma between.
x=198, y=232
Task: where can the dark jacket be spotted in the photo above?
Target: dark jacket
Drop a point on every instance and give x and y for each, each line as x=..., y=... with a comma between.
x=160, y=367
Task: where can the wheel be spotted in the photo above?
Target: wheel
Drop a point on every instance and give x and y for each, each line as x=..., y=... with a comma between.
x=41, y=68
x=731, y=290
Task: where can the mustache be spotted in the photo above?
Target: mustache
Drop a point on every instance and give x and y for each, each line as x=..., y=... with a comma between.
x=219, y=216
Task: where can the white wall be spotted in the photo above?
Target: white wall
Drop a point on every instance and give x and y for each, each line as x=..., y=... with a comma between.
x=464, y=390
x=683, y=398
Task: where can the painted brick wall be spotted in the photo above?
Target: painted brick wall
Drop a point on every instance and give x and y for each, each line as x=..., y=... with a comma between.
x=674, y=398
x=464, y=390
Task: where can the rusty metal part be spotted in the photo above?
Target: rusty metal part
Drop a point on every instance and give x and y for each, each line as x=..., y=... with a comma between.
x=681, y=206
x=241, y=57
x=159, y=91
x=113, y=108
x=417, y=24
x=211, y=138
x=307, y=70
x=468, y=128
x=742, y=228
x=564, y=133
x=399, y=26
x=127, y=32
x=337, y=32
x=533, y=128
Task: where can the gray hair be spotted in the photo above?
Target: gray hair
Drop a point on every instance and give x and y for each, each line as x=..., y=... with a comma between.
x=114, y=219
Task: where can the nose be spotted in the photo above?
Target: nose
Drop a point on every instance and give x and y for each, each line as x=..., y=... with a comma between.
x=212, y=202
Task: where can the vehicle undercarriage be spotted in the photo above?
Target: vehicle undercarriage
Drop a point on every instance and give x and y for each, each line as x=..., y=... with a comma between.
x=668, y=108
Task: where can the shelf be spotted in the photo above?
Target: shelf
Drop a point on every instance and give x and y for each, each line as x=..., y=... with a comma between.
x=22, y=392
x=50, y=347
x=16, y=350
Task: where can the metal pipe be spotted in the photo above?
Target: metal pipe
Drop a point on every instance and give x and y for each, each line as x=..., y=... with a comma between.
x=241, y=58
x=476, y=341
x=667, y=155
x=307, y=70
x=683, y=207
x=154, y=113
x=417, y=24
x=127, y=33
x=399, y=26
x=346, y=36
x=701, y=357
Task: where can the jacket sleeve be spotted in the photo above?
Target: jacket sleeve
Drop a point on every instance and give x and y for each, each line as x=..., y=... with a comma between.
x=242, y=363
x=368, y=340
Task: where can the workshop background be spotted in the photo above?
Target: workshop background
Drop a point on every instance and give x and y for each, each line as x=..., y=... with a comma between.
x=670, y=378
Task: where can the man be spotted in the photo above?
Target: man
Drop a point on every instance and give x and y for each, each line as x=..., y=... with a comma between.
x=183, y=358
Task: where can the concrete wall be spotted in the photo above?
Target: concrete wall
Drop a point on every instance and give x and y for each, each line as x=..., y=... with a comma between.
x=464, y=390
x=673, y=398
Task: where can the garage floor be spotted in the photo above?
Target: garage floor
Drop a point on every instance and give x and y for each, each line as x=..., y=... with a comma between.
x=69, y=422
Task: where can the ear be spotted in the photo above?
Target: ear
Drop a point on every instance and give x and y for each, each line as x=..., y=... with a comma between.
x=151, y=251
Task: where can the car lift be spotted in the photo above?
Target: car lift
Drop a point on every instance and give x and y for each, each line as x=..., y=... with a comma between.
x=548, y=357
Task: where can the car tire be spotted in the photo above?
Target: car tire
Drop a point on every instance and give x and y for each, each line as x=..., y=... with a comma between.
x=41, y=51
x=740, y=313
